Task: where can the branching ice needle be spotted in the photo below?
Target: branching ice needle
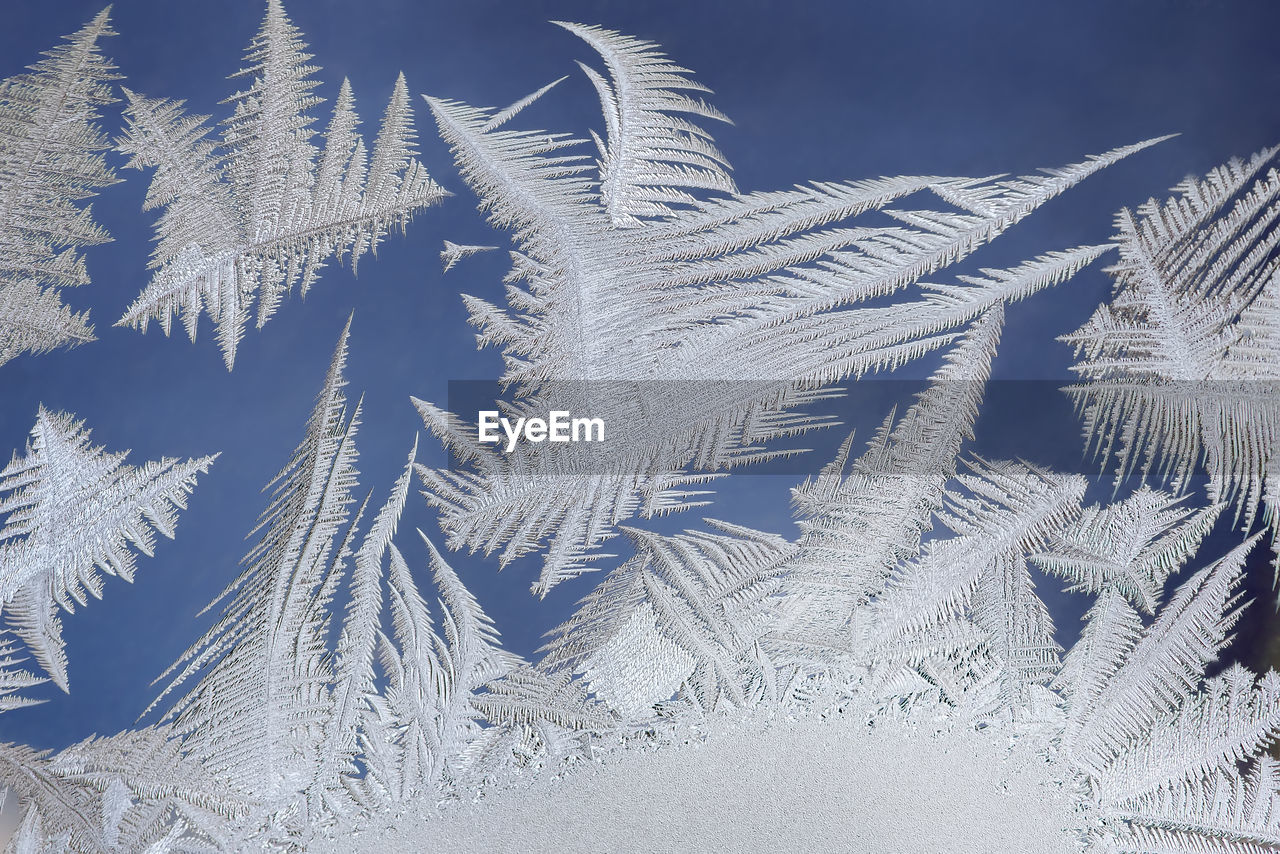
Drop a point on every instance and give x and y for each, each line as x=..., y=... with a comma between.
x=454, y=252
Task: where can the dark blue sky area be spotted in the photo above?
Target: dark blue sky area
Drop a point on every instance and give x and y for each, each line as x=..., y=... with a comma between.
x=817, y=91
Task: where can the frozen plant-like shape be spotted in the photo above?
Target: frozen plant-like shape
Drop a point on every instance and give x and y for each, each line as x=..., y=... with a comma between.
x=650, y=270
x=454, y=252
x=73, y=511
x=687, y=612
x=255, y=215
x=50, y=159
x=254, y=716
x=423, y=721
x=1003, y=511
x=1182, y=367
x=1176, y=762
x=134, y=791
x=354, y=664
x=860, y=524
x=313, y=729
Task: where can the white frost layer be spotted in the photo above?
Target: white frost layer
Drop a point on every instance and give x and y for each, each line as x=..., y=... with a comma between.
x=809, y=785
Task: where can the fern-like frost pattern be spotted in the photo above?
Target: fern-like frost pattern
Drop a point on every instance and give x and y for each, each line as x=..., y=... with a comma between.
x=351, y=675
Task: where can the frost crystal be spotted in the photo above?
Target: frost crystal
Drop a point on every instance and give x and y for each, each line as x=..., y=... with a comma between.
x=1181, y=367
x=50, y=158
x=649, y=269
x=253, y=216
x=332, y=694
x=73, y=511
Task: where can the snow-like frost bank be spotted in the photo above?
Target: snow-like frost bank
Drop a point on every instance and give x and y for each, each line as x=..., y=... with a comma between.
x=808, y=785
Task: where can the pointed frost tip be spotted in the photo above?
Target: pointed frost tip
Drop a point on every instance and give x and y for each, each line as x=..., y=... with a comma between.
x=580, y=30
x=1146, y=143
x=509, y=112
x=338, y=362
x=431, y=547
x=100, y=22
x=439, y=107
x=454, y=252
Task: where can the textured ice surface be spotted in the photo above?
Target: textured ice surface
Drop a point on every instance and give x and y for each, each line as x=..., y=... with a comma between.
x=808, y=785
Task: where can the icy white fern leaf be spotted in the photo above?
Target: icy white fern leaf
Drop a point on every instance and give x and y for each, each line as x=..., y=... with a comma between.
x=1225, y=723
x=1181, y=367
x=859, y=525
x=1159, y=665
x=147, y=787
x=1000, y=512
x=403, y=742
x=1230, y=811
x=257, y=713
x=455, y=252
x=1172, y=762
x=685, y=613
x=654, y=153
x=74, y=511
x=1130, y=546
x=50, y=159
x=14, y=680
x=1122, y=553
x=354, y=660
x=425, y=719
x=134, y=791
x=649, y=271
x=59, y=814
x=252, y=216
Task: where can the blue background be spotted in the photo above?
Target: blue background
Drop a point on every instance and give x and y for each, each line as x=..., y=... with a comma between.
x=816, y=90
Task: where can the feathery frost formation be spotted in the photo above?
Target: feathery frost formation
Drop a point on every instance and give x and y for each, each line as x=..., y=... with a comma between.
x=73, y=511
x=858, y=527
x=648, y=270
x=253, y=715
x=687, y=612
x=455, y=252
x=134, y=791
x=1182, y=368
x=331, y=694
x=50, y=159
x=253, y=215
x=308, y=716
